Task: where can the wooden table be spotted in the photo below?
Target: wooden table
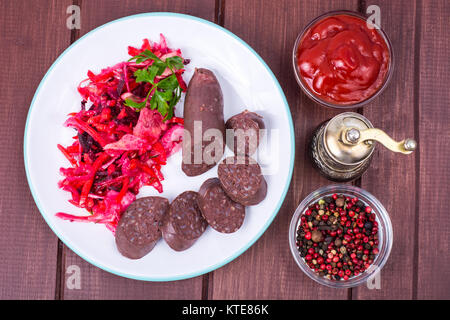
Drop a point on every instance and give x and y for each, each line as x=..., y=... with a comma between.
x=413, y=188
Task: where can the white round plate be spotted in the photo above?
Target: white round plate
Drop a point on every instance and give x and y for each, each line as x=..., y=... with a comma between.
x=247, y=82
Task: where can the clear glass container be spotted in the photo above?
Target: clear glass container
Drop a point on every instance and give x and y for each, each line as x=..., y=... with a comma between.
x=385, y=234
x=315, y=97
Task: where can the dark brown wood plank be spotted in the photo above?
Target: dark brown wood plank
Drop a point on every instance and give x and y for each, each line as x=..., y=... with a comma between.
x=96, y=283
x=391, y=177
x=98, y=12
x=267, y=270
x=433, y=120
x=33, y=34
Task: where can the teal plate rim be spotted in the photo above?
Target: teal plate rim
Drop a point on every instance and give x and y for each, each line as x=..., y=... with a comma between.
x=251, y=242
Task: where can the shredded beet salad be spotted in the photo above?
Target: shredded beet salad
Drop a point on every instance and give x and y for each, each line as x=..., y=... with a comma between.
x=126, y=129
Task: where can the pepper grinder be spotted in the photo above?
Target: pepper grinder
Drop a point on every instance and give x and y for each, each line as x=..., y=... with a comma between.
x=342, y=148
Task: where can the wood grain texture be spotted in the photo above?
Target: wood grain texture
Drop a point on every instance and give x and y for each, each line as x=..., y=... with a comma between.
x=32, y=35
x=413, y=188
x=433, y=273
x=98, y=12
x=391, y=177
x=96, y=283
x=99, y=284
x=267, y=270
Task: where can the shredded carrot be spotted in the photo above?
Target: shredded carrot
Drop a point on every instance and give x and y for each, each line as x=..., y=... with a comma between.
x=67, y=155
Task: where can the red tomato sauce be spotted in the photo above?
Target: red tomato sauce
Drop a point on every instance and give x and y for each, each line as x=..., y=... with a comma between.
x=342, y=61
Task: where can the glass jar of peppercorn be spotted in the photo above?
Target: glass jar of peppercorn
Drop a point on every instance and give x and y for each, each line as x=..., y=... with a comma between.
x=340, y=236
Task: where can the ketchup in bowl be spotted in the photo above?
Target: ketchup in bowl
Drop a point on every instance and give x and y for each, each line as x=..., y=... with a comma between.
x=340, y=61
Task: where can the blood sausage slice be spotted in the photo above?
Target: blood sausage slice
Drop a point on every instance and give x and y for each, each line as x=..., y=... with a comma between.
x=184, y=224
x=139, y=230
x=222, y=213
x=242, y=180
x=245, y=128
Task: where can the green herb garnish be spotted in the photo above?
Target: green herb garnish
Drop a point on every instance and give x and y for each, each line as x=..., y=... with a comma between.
x=167, y=92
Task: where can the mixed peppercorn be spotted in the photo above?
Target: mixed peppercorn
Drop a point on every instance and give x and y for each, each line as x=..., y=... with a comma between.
x=338, y=237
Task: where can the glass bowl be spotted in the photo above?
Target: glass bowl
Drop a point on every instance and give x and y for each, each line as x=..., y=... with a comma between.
x=385, y=234
x=318, y=99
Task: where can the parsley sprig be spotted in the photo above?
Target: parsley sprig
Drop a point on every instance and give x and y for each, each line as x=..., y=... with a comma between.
x=167, y=92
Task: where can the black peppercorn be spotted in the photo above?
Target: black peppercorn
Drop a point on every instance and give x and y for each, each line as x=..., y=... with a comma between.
x=335, y=237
